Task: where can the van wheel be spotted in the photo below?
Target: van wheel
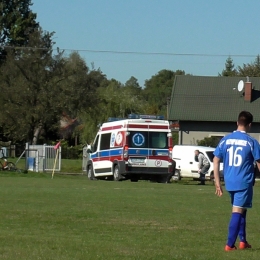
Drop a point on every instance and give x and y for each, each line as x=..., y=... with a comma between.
x=212, y=177
x=90, y=173
x=116, y=174
x=134, y=180
x=176, y=176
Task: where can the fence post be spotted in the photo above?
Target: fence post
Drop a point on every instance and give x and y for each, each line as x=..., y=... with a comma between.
x=26, y=155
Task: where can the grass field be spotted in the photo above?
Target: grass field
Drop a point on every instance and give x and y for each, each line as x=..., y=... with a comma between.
x=70, y=217
x=67, y=165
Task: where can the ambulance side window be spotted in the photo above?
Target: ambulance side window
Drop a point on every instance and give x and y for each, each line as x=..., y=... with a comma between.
x=105, y=141
x=95, y=145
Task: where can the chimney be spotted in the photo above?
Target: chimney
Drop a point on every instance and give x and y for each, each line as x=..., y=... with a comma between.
x=248, y=91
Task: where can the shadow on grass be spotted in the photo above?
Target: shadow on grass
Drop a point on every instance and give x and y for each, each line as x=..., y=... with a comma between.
x=195, y=183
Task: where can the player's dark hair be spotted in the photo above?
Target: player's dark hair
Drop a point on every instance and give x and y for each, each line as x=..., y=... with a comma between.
x=245, y=118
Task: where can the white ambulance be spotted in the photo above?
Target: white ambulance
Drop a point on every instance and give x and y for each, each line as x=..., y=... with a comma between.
x=137, y=148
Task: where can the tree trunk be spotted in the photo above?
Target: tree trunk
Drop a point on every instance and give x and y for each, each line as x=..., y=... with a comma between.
x=37, y=132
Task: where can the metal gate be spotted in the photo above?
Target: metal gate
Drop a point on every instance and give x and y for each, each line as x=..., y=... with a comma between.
x=52, y=158
x=42, y=158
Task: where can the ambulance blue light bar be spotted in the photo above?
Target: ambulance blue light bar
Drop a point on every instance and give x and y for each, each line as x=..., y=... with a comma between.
x=136, y=116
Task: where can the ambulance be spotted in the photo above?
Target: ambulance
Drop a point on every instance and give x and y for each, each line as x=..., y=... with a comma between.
x=136, y=148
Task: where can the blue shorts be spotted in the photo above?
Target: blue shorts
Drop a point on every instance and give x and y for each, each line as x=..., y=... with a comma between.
x=242, y=198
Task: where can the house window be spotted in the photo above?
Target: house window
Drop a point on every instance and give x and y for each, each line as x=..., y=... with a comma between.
x=217, y=137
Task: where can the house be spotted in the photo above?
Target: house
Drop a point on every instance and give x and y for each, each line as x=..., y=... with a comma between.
x=208, y=106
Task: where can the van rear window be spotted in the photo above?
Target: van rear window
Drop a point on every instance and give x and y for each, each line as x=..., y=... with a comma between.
x=145, y=139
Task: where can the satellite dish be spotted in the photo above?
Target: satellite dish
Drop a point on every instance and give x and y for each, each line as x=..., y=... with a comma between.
x=240, y=85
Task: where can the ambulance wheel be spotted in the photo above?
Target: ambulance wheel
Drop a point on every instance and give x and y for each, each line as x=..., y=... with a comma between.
x=90, y=173
x=164, y=179
x=117, y=176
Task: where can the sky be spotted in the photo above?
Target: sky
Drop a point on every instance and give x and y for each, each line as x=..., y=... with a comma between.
x=139, y=38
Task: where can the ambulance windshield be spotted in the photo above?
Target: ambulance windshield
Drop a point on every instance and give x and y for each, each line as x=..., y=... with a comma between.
x=145, y=139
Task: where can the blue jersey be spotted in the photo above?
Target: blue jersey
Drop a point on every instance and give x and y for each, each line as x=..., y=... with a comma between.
x=238, y=151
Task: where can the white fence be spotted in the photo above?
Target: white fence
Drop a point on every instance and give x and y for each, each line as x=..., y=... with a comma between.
x=41, y=158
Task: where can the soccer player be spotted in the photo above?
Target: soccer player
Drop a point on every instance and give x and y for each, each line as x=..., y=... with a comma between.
x=239, y=151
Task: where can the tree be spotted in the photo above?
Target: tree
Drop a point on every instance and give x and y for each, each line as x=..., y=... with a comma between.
x=250, y=69
x=209, y=141
x=79, y=95
x=27, y=87
x=158, y=88
x=133, y=85
x=17, y=22
x=114, y=100
x=229, y=70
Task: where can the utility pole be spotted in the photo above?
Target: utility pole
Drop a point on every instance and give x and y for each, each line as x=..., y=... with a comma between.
x=167, y=107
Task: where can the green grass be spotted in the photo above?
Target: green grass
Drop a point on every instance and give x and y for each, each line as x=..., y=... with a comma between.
x=73, y=166
x=70, y=217
x=67, y=165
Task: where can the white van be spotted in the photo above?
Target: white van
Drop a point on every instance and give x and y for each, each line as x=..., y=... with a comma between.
x=187, y=167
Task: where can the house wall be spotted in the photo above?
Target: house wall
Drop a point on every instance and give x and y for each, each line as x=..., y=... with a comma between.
x=190, y=132
x=192, y=137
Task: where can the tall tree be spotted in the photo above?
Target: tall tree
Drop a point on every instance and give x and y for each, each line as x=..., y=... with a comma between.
x=251, y=69
x=133, y=84
x=79, y=93
x=27, y=87
x=229, y=70
x=159, y=88
x=17, y=22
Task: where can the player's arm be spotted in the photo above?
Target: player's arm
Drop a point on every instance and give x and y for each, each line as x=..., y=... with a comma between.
x=216, y=163
x=255, y=171
x=256, y=155
x=258, y=164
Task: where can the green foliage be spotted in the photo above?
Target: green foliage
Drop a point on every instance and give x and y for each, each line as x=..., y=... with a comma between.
x=113, y=100
x=175, y=138
x=17, y=23
x=158, y=88
x=229, y=70
x=209, y=141
x=29, y=89
x=250, y=69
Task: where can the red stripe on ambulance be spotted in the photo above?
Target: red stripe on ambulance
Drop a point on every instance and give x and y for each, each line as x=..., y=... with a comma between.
x=148, y=126
x=111, y=127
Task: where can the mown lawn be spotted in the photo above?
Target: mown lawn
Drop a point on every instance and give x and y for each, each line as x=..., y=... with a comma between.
x=67, y=165
x=70, y=217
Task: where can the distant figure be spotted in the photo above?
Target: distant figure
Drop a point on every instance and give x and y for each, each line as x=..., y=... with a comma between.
x=203, y=166
x=239, y=151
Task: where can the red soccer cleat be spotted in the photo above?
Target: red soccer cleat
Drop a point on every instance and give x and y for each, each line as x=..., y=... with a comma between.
x=228, y=248
x=244, y=245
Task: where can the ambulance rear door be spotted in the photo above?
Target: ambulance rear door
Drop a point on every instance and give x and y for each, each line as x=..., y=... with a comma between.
x=148, y=147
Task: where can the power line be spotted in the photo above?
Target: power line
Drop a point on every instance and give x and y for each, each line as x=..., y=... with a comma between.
x=137, y=52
